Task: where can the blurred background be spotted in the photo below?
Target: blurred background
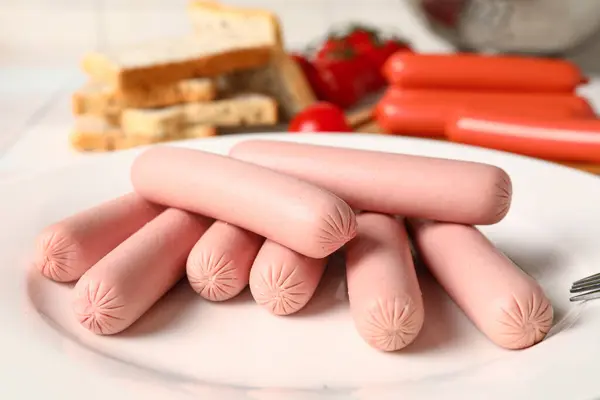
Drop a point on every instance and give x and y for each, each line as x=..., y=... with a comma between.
x=41, y=43
x=57, y=31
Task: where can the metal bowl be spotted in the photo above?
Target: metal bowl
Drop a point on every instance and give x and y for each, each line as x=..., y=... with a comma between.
x=513, y=26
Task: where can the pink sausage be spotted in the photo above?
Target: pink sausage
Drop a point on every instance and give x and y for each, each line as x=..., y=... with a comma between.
x=122, y=286
x=385, y=297
x=282, y=280
x=434, y=188
x=504, y=302
x=218, y=266
x=296, y=214
x=67, y=249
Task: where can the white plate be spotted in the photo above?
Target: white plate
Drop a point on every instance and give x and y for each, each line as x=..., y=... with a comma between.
x=189, y=348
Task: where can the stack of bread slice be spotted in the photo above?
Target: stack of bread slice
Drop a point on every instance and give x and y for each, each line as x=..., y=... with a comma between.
x=232, y=71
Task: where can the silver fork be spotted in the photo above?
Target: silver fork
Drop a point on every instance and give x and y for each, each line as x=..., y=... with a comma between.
x=588, y=288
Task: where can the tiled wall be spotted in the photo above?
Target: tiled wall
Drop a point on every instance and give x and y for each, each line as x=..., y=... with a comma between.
x=62, y=29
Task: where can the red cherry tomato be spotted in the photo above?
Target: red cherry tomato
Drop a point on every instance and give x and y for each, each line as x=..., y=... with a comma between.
x=365, y=41
x=332, y=46
x=366, y=77
x=346, y=77
x=320, y=117
x=362, y=40
x=375, y=48
x=349, y=65
x=327, y=81
x=341, y=85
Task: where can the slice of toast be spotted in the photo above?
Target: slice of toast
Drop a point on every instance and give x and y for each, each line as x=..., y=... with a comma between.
x=173, y=59
x=238, y=110
x=95, y=134
x=103, y=100
x=245, y=109
x=220, y=20
x=154, y=123
x=282, y=79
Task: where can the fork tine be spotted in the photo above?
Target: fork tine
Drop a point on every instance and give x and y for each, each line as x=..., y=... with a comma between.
x=595, y=294
x=586, y=283
x=587, y=279
x=586, y=287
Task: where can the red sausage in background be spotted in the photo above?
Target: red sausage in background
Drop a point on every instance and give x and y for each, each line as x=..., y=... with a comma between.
x=482, y=72
x=577, y=104
x=559, y=140
x=426, y=112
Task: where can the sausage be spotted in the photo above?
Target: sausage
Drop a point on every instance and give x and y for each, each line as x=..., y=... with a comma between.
x=559, y=140
x=283, y=281
x=68, y=248
x=413, y=118
x=429, y=119
x=580, y=106
x=482, y=72
x=385, y=298
x=505, y=303
x=296, y=214
x=122, y=286
x=426, y=112
x=396, y=184
x=218, y=267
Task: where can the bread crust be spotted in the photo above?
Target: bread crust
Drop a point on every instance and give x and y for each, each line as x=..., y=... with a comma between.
x=240, y=110
x=101, y=68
